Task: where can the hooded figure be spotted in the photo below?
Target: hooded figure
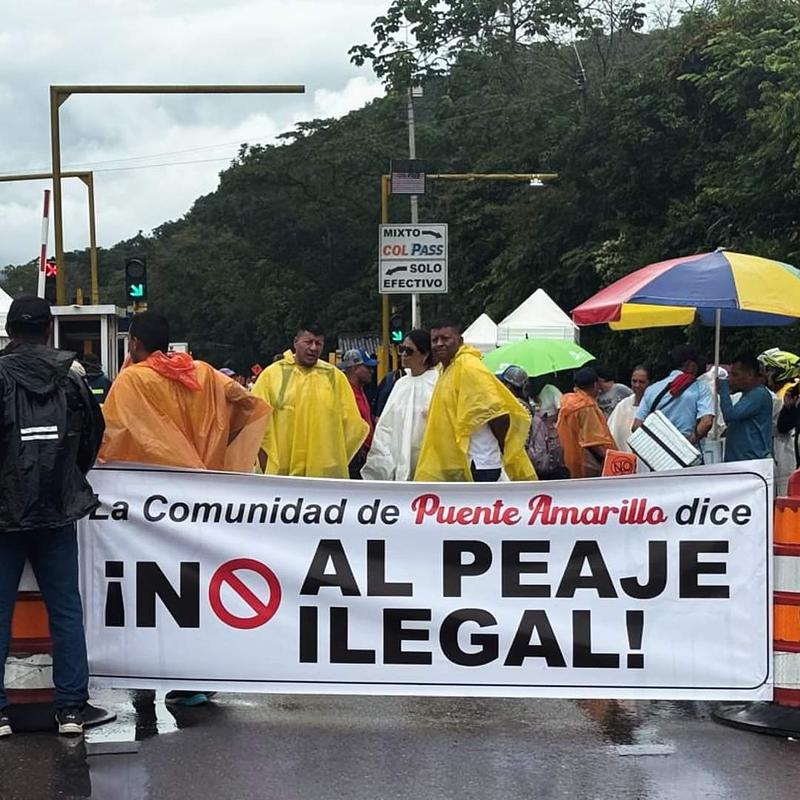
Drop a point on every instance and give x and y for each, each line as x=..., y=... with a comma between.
x=476, y=428
x=50, y=429
x=170, y=410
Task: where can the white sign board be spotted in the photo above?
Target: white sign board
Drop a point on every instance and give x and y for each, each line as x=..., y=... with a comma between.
x=648, y=586
x=412, y=259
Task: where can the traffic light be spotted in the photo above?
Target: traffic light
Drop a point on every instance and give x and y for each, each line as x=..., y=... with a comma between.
x=136, y=279
x=396, y=331
x=50, y=277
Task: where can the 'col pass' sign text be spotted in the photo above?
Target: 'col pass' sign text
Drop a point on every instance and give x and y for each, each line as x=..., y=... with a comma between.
x=413, y=259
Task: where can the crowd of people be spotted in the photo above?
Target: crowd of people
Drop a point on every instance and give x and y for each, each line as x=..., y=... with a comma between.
x=443, y=416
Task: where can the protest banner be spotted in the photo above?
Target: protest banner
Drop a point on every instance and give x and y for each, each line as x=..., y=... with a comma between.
x=644, y=586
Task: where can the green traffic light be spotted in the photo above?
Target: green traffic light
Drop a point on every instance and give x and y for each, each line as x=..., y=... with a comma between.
x=397, y=336
x=136, y=290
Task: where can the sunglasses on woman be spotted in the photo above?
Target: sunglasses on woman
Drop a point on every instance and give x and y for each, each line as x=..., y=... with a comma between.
x=406, y=351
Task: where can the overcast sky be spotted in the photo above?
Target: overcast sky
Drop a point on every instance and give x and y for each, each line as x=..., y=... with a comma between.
x=45, y=42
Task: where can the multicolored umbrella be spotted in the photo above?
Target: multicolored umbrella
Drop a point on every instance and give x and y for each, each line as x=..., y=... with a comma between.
x=538, y=356
x=719, y=288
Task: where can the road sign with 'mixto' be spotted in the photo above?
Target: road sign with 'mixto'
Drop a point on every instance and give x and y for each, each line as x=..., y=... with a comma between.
x=413, y=258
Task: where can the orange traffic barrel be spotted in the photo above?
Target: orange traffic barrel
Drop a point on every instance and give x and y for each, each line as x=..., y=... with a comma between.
x=782, y=716
x=29, y=668
x=786, y=601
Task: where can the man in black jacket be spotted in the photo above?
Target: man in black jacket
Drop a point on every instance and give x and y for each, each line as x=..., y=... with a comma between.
x=98, y=381
x=50, y=431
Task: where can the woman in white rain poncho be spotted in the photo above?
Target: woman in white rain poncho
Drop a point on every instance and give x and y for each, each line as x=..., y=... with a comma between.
x=398, y=434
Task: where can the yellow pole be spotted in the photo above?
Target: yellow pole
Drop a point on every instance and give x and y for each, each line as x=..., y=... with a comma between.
x=88, y=179
x=56, y=99
x=384, y=363
x=535, y=178
x=59, y=94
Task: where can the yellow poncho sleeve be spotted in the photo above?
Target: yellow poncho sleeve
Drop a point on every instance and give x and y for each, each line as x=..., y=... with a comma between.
x=467, y=397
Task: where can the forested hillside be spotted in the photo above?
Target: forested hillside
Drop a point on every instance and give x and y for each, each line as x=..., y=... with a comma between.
x=667, y=143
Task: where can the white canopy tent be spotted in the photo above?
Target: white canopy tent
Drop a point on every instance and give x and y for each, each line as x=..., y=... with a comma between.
x=539, y=317
x=482, y=334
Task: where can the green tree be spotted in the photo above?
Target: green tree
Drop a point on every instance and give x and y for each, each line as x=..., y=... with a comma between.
x=419, y=39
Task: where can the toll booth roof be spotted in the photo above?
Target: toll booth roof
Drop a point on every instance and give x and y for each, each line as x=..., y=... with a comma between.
x=100, y=310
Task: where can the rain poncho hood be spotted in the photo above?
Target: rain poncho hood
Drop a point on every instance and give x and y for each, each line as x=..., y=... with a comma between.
x=316, y=427
x=468, y=396
x=178, y=367
x=398, y=435
x=37, y=368
x=172, y=411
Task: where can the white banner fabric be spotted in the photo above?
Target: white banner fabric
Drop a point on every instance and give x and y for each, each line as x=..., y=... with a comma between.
x=649, y=586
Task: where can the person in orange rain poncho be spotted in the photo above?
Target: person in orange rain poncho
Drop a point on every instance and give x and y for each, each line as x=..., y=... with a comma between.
x=316, y=426
x=582, y=427
x=476, y=428
x=172, y=411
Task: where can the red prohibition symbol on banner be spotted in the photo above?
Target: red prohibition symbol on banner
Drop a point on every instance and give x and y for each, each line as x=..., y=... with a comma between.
x=263, y=611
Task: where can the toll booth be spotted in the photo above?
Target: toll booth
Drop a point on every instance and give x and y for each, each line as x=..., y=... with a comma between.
x=90, y=329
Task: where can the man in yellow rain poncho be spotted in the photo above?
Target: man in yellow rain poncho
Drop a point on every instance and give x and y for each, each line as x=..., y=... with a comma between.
x=316, y=427
x=476, y=428
x=172, y=411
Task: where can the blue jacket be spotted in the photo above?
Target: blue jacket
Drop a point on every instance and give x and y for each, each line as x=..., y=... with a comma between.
x=749, y=422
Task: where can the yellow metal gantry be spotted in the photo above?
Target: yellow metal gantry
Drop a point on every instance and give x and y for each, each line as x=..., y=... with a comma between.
x=60, y=94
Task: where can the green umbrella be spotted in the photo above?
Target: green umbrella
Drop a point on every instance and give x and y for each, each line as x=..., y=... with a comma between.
x=538, y=356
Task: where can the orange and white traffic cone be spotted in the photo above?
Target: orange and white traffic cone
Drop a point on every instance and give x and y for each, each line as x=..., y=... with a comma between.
x=782, y=716
x=29, y=667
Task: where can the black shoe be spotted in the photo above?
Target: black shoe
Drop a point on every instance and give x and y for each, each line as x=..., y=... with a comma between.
x=70, y=721
x=5, y=724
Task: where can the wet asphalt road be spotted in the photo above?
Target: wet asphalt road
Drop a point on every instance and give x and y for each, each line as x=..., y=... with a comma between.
x=247, y=746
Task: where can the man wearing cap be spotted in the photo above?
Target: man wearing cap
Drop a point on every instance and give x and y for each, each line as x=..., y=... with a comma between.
x=357, y=367
x=50, y=431
x=316, y=426
x=476, y=429
x=514, y=379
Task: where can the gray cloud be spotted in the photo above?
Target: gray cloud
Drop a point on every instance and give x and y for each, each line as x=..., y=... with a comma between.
x=172, y=41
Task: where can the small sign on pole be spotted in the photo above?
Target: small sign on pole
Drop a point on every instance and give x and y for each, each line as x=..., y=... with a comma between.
x=408, y=176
